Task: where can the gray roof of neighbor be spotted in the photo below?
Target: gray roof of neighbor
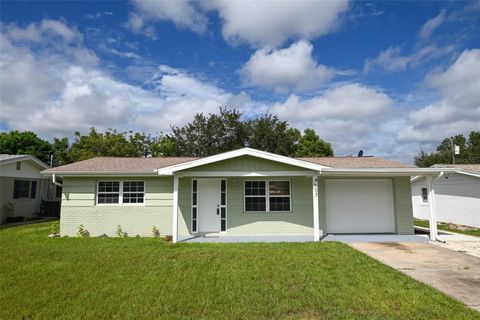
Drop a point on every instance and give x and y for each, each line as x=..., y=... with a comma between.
x=4, y=157
x=466, y=167
x=142, y=165
x=9, y=158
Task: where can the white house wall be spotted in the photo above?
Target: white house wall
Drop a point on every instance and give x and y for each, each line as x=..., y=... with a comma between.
x=27, y=170
x=457, y=199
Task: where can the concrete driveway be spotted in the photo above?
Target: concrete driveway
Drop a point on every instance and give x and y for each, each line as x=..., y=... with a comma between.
x=454, y=273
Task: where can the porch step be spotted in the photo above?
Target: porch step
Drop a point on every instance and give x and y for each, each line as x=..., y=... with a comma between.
x=212, y=235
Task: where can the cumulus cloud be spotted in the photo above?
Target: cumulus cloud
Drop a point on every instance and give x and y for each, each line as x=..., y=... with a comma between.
x=343, y=115
x=182, y=13
x=258, y=23
x=263, y=23
x=283, y=70
x=54, y=92
x=458, y=108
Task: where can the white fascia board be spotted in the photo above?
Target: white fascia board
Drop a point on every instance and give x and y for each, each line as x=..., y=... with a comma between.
x=469, y=173
x=98, y=173
x=246, y=173
x=238, y=153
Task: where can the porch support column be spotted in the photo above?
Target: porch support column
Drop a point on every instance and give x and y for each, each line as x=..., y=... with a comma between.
x=175, y=209
x=316, y=222
x=431, y=207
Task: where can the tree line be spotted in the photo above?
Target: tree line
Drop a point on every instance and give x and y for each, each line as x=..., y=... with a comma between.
x=444, y=153
x=206, y=135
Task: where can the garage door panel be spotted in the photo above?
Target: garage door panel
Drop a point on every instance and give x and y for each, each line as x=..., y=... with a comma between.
x=359, y=206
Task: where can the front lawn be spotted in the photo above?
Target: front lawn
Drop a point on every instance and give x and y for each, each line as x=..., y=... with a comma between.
x=449, y=227
x=141, y=278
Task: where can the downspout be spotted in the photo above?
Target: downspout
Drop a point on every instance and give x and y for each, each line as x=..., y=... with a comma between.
x=54, y=181
x=433, y=212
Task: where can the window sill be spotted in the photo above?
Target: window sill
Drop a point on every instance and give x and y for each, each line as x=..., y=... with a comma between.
x=266, y=212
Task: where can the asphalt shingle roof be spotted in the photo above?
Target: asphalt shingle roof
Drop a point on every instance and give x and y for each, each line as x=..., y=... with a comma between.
x=133, y=165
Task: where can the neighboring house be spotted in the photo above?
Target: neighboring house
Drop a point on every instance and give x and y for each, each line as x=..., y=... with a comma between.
x=457, y=195
x=241, y=193
x=22, y=187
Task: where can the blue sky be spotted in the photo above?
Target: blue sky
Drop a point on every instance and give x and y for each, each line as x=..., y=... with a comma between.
x=391, y=78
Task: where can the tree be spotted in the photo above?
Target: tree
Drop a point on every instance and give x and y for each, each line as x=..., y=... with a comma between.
x=208, y=135
x=269, y=134
x=61, y=152
x=469, y=151
x=111, y=143
x=310, y=145
x=26, y=142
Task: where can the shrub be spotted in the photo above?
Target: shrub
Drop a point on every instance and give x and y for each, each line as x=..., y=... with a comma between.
x=155, y=232
x=103, y=236
x=82, y=232
x=55, y=229
x=119, y=231
x=168, y=238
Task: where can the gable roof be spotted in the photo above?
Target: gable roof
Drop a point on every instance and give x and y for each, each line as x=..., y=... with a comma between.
x=12, y=158
x=239, y=153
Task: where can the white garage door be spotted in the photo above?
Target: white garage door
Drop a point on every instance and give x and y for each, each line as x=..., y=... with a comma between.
x=360, y=206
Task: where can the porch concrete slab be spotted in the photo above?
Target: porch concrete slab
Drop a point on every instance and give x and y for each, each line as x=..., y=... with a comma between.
x=238, y=239
x=454, y=273
x=352, y=238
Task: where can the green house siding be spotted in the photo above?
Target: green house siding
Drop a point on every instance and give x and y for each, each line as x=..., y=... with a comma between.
x=297, y=222
x=78, y=207
x=402, y=197
x=247, y=163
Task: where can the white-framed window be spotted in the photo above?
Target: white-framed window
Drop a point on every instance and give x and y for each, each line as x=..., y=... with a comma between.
x=120, y=192
x=133, y=191
x=424, y=195
x=267, y=196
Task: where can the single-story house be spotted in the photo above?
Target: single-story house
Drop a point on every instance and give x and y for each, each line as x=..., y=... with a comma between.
x=457, y=195
x=22, y=187
x=240, y=193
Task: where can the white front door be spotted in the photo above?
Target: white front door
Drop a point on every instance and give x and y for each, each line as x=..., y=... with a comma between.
x=209, y=205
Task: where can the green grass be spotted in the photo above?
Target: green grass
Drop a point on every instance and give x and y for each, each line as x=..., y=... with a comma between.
x=141, y=278
x=448, y=227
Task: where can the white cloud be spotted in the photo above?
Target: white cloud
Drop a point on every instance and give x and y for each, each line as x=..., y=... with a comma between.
x=52, y=92
x=431, y=25
x=348, y=115
x=425, y=49
x=182, y=13
x=46, y=28
x=264, y=23
x=392, y=60
x=289, y=69
x=258, y=23
x=457, y=110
